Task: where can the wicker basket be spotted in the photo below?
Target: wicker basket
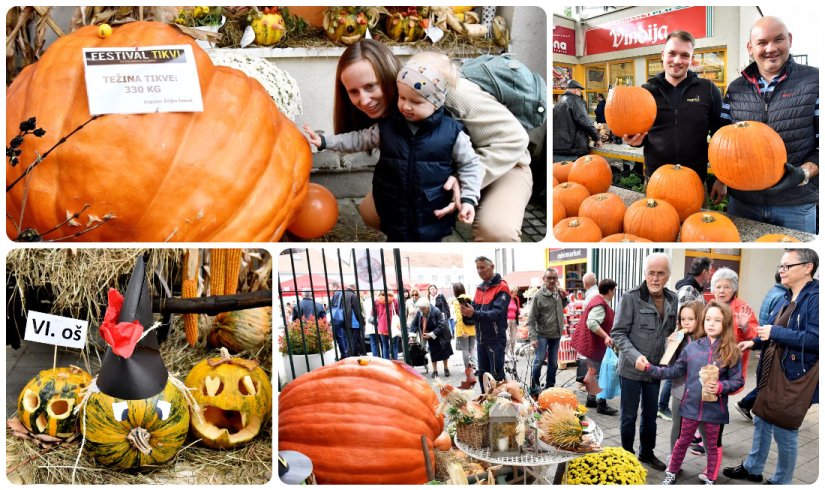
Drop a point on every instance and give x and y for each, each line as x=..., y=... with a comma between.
x=475, y=434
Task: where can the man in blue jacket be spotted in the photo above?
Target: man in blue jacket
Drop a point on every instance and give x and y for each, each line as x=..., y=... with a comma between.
x=793, y=325
x=489, y=310
x=777, y=91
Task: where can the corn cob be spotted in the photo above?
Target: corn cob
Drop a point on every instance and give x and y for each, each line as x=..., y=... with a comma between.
x=233, y=270
x=217, y=271
x=189, y=289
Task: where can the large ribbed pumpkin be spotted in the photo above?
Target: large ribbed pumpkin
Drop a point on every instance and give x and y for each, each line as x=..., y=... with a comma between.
x=561, y=170
x=593, y=172
x=571, y=195
x=577, y=229
x=558, y=395
x=607, y=210
x=624, y=238
x=360, y=421
x=653, y=219
x=680, y=186
x=776, y=238
x=629, y=110
x=748, y=156
x=559, y=213
x=129, y=434
x=47, y=402
x=238, y=171
x=709, y=226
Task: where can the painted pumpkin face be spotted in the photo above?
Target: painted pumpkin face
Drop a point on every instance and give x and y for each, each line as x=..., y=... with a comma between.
x=134, y=433
x=234, y=397
x=46, y=403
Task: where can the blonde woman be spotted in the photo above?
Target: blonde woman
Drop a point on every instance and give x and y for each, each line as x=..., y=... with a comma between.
x=465, y=338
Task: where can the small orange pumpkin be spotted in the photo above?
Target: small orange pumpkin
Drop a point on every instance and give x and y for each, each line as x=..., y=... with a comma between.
x=748, y=156
x=624, y=238
x=561, y=170
x=318, y=214
x=571, y=195
x=562, y=396
x=653, y=219
x=776, y=238
x=629, y=110
x=709, y=226
x=680, y=186
x=559, y=212
x=593, y=172
x=443, y=442
x=607, y=210
x=578, y=229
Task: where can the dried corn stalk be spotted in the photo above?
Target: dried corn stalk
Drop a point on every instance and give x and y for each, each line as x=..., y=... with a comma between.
x=189, y=289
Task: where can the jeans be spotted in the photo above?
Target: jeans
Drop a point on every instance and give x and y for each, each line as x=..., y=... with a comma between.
x=633, y=393
x=800, y=217
x=664, y=396
x=386, y=349
x=749, y=400
x=491, y=360
x=550, y=348
x=786, y=449
x=342, y=341
x=356, y=343
x=452, y=327
x=374, y=344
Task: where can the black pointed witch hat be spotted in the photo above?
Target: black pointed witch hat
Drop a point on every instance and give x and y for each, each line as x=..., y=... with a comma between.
x=143, y=374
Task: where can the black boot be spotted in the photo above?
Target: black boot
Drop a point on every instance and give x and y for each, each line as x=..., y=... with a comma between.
x=603, y=408
x=591, y=401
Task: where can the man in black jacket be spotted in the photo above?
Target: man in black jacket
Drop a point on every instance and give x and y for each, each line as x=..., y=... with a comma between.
x=572, y=126
x=784, y=95
x=687, y=109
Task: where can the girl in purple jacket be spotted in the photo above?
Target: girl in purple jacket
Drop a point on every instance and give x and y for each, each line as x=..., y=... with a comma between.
x=718, y=348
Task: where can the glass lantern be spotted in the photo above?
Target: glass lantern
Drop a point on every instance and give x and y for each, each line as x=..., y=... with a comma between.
x=502, y=428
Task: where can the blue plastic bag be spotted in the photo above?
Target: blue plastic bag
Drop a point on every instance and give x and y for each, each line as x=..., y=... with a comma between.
x=609, y=376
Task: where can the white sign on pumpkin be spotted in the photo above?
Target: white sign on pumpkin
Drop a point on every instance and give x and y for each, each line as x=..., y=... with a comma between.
x=56, y=330
x=142, y=80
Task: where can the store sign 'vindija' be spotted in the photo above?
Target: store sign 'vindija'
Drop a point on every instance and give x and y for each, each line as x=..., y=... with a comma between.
x=649, y=29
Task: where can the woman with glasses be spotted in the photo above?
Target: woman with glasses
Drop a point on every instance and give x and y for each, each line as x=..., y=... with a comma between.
x=793, y=325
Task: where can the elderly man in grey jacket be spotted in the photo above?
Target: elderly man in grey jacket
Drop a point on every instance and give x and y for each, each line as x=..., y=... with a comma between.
x=645, y=317
x=545, y=323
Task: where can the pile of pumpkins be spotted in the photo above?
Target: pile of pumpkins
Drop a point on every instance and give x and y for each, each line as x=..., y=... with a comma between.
x=747, y=156
x=233, y=398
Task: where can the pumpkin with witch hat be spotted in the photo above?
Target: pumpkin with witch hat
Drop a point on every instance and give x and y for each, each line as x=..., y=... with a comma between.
x=134, y=415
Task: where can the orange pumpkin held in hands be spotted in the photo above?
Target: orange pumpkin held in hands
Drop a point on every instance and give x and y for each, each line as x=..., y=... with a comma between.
x=559, y=212
x=321, y=414
x=578, y=229
x=680, y=186
x=624, y=238
x=607, y=210
x=747, y=156
x=593, y=172
x=776, y=238
x=571, y=195
x=238, y=171
x=317, y=216
x=561, y=170
x=709, y=226
x=629, y=110
x=653, y=219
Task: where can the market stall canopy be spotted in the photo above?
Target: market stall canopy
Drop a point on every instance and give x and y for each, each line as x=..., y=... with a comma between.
x=318, y=283
x=524, y=279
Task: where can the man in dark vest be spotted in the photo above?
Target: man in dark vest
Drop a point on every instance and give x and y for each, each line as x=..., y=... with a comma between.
x=687, y=109
x=777, y=91
x=572, y=126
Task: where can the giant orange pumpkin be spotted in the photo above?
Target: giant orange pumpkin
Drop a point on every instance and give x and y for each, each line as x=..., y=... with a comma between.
x=561, y=170
x=238, y=171
x=593, y=172
x=653, y=219
x=709, y=226
x=680, y=186
x=606, y=209
x=578, y=229
x=559, y=212
x=629, y=110
x=571, y=195
x=360, y=421
x=748, y=156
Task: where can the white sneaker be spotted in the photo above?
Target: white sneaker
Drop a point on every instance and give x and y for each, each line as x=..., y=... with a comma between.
x=670, y=478
x=705, y=479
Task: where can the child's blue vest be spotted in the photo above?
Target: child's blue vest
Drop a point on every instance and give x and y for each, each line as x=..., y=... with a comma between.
x=408, y=179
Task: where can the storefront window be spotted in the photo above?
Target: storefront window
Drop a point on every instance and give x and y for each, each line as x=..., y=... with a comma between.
x=621, y=73
x=595, y=78
x=707, y=64
x=561, y=75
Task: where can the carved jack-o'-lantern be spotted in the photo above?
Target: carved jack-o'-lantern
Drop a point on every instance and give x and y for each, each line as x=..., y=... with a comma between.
x=234, y=397
x=46, y=403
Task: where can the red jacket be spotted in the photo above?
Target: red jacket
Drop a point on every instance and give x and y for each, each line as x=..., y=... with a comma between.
x=586, y=342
